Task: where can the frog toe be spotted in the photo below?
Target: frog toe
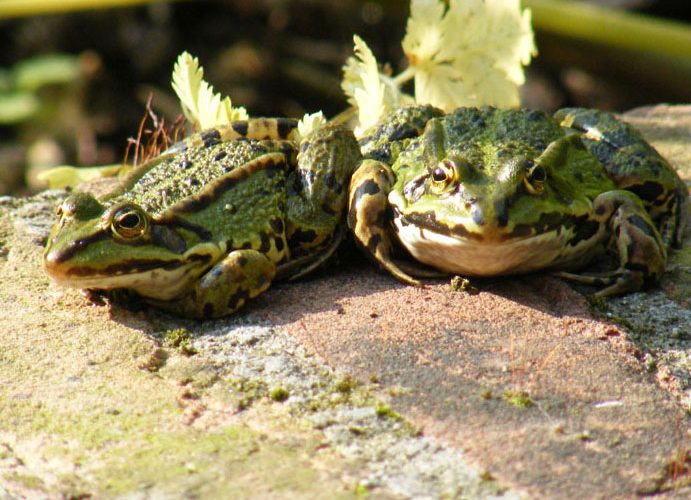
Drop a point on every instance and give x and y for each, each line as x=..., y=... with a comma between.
x=611, y=283
x=420, y=271
x=398, y=272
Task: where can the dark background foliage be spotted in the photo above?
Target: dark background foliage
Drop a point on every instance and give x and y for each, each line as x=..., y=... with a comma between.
x=275, y=57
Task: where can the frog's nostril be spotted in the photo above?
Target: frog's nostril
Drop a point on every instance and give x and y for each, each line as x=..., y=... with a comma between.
x=478, y=215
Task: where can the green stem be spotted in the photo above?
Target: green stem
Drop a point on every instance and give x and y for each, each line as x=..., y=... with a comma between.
x=344, y=116
x=404, y=76
x=615, y=28
x=19, y=8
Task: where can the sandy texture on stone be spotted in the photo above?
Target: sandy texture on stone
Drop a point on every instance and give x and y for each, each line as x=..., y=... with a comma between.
x=448, y=359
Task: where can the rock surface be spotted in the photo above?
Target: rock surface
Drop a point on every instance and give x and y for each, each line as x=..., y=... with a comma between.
x=347, y=383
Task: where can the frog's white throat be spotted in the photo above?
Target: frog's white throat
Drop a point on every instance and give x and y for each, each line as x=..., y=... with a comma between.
x=475, y=257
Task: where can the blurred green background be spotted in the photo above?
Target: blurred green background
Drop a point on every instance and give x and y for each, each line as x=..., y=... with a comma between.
x=75, y=75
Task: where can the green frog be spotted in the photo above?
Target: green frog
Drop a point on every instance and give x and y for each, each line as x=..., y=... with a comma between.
x=212, y=221
x=486, y=192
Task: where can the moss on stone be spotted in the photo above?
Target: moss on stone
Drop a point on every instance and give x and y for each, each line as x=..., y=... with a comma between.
x=279, y=394
x=179, y=339
x=517, y=398
x=346, y=384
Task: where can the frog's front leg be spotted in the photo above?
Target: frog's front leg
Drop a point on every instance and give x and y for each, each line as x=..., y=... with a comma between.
x=642, y=254
x=241, y=275
x=368, y=215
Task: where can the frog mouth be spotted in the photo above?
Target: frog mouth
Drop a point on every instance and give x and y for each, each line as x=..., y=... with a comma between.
x=151, y=277
x=475, y=228
x=128, y=274
x=428, y=221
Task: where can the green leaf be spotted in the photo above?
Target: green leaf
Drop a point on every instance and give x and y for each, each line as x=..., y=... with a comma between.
x=17, y=107
x=69, y=177
x=32, y=74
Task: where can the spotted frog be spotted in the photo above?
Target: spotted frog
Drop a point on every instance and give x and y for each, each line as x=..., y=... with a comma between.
x=213, y=221
x=485, y=192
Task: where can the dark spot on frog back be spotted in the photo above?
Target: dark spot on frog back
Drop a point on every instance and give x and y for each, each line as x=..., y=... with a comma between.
x=284, y=126
x=276, y=225
x=241, y=127
x=210, y=137
x=265, y=245
x=382, y=153
x=534, y=115
x=332, y=183
x=404, y=131
x=279, y=243
x=507, y=151
x=273, y=169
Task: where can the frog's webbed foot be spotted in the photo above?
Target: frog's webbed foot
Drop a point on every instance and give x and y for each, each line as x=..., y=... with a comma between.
x=614, y=282
x=642, y=254
x=241, y=275
x=368, y=216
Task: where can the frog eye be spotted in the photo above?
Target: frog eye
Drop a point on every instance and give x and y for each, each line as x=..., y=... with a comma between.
x=443, y=173
x=535, y=177
x=129, y=222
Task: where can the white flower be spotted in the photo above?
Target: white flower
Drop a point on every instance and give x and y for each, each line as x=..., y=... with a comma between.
x=373, y=93
x=199, y=102
x=470, y=53
x=309, y=123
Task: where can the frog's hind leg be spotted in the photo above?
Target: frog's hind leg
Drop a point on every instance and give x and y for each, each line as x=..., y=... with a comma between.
x=368, y=215
x=240, y=276
x=635, y=166
x=642, y=254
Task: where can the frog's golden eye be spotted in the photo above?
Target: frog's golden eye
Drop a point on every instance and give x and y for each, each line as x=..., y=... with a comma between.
x=129, y=222
x=443, y=174
x=534, y=178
